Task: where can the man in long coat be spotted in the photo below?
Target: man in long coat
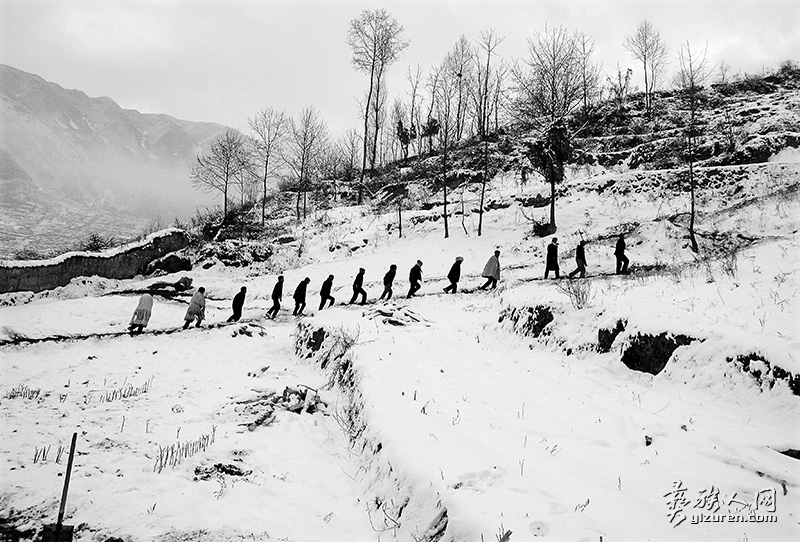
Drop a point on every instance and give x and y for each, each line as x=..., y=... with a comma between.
x=238, y=303
x=454, y=276
x=491, y=271
x=552, y=258
x=619, y=252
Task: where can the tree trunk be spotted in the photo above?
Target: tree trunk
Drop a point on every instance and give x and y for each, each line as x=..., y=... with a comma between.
x=552, y=203
x=264, y=194
x=692, y=238
x=376, y=111
x=646, y=88
x=366, y=129
x=400, y=215
x=444, y=185
x=483, y=185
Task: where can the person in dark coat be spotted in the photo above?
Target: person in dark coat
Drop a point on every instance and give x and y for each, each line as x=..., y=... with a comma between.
x=619, y=252
x=238, y=303
x=454, y=276
x=358, y=287
x=388, y=279
x=415, y=278
x=325, y=293
x=552, y=258
x=580, y=260
x=300, y=297
x=491, y=271
x=277, y=295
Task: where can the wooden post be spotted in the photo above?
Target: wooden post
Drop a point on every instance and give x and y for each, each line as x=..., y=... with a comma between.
x=66, y=487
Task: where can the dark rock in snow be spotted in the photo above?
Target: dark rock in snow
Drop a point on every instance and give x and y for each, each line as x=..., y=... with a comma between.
x=606, y=337
x=171, y=263
x=650, y=353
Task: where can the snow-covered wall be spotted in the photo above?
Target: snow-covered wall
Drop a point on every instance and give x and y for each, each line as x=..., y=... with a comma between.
x=118, y=263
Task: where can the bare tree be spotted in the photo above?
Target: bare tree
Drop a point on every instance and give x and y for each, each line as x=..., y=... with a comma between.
x=499, y=98
x=348, y=147
x=487, y=44
x=620, y=87
x=590, y=73
x=219, y=168
x=647, y=46
x=447, y=102
x=548, y=84
x=431, y=126
x=307, y=143
x=246, y=179
x=459, y=67
x=271, y=129
x=375, y=38
x=690, y=79
x=414, y=116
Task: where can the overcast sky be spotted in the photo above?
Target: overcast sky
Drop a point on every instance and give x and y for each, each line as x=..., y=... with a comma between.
x=223, y=60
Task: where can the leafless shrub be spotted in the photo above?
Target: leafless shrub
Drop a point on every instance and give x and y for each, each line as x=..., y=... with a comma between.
x=579, y=291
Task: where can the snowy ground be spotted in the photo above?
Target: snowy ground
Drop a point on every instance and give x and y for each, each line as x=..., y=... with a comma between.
x=500, y=430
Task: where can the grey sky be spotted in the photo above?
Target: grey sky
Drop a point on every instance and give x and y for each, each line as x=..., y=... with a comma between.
x=222, y=60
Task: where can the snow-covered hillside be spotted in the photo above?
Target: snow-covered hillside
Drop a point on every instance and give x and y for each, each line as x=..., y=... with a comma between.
x=449, y=419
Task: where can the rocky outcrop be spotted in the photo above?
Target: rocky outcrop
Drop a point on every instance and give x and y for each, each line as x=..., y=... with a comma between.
x=119, y=263
x=650, y=353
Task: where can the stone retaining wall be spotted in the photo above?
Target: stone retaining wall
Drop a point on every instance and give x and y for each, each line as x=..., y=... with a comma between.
x=118, y=263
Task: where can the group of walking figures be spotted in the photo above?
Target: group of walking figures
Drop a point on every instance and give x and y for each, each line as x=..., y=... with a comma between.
x=580, y=258
x=491, y=272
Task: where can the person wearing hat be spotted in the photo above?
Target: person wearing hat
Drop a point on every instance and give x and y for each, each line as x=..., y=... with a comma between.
x=580, y=259
x=552, y=257
x=388, y=280
x=358, y=287
x=300, y=297
x=277, y=295
x=415, y=278
x=238, y=303
x=491, y=272
x=454, y=275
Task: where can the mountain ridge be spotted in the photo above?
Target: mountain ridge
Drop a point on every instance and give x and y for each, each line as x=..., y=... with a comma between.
x=64, y=153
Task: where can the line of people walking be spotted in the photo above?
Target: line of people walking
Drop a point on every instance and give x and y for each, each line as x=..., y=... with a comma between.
x=195, y=313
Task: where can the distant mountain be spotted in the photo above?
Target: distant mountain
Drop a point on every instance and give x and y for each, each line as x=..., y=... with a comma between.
x=71, y=164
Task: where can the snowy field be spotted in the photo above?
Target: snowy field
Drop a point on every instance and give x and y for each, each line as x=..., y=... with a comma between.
x=469, y=428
